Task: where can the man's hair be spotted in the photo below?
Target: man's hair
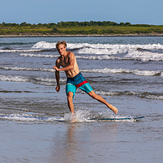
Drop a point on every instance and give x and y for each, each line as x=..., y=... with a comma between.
x=61, y=42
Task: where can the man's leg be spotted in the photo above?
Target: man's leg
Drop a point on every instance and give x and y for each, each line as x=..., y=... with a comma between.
x=99, y=98
x=71, y=105
x=70, y=102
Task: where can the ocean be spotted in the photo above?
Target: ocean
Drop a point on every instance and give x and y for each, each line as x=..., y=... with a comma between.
x=35, y=119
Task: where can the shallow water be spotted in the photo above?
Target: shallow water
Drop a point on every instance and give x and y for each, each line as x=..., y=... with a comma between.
x=127, y=72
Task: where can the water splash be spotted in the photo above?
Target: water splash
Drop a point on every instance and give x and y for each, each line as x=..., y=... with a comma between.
x=80, y=117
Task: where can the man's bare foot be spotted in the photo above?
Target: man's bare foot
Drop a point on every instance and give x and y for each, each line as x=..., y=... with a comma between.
x=114, y=109
x=73, y=118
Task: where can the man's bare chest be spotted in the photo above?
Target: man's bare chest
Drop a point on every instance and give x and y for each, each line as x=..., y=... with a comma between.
x=64, y=62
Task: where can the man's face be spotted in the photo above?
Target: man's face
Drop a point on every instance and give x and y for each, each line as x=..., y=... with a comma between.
x=61, y=49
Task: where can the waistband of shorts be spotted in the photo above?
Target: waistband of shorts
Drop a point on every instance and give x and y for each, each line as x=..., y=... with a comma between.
x=75, y=76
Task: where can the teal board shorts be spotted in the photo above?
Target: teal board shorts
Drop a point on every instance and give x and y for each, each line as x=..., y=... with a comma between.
x=77, y=81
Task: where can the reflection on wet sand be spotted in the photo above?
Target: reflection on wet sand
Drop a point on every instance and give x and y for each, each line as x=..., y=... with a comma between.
x=82, y=141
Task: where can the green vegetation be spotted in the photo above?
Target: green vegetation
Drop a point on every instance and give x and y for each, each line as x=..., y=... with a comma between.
x=84, y=28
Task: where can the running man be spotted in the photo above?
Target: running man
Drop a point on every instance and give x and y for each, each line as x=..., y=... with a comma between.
x=74, y=77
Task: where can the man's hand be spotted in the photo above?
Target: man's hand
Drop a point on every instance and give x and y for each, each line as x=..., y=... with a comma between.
x=56, y=68
x=57, y=88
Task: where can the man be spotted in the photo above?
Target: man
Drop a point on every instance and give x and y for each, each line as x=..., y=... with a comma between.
x=74, y=78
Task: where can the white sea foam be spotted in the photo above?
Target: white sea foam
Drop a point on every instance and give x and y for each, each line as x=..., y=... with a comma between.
x=27, y=69
x=19, y=117
x=80, y=116
x=145, y=56
x=116, y=93
x=136, y=72
x=29, y=117
x=106, y=93
x=132, y=54
x=147, y=52
x=101, y=57
x=52, y=45
x=37, y=80
x=161, y=73
x=88, y=116
x=154, y=97
x=120, y=47
x=38, y=55
x=107, y=47
x=105, y=70
x=145, y=73
x=13, y=78
x=132, y=93
x=142, y=56
x=131, y=51
x=49, y=79
x=19, y=51
x=111, y=50
x=44, y=45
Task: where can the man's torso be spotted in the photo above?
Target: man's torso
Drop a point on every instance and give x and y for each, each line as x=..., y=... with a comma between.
x=65, y=61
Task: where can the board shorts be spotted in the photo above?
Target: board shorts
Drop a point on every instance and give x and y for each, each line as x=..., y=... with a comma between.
x=77, y=81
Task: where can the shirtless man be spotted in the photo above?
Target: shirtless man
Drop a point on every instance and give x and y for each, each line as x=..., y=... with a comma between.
x=74, y=78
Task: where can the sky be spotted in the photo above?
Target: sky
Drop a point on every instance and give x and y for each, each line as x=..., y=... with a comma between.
x=54, y=11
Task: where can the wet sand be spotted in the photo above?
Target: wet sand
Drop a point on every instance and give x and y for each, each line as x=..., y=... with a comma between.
x=81, y=142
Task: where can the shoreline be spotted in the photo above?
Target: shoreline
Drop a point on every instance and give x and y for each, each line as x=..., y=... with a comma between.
x=79, y=35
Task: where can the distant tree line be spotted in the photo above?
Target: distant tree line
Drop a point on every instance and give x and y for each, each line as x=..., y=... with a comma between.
x=74, y=23
x=75, y=27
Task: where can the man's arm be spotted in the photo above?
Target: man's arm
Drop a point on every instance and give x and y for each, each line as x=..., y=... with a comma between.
x=57, y=76
x=71, y=58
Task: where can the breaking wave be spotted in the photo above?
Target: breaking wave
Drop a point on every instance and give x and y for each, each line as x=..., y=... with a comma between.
x=52, y=82
x=38, y=55
x=135, y=72
x=27, y=69
x=105, y=70
x=35, y=80
x=148, y=95
x=144, y=57
x=144, y=53
x=8, y=50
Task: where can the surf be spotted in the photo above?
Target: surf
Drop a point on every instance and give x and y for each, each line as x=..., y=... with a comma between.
x=81, y=116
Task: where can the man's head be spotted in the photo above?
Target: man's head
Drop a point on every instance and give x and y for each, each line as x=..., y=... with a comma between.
x=61, y=47
x=61, y=42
